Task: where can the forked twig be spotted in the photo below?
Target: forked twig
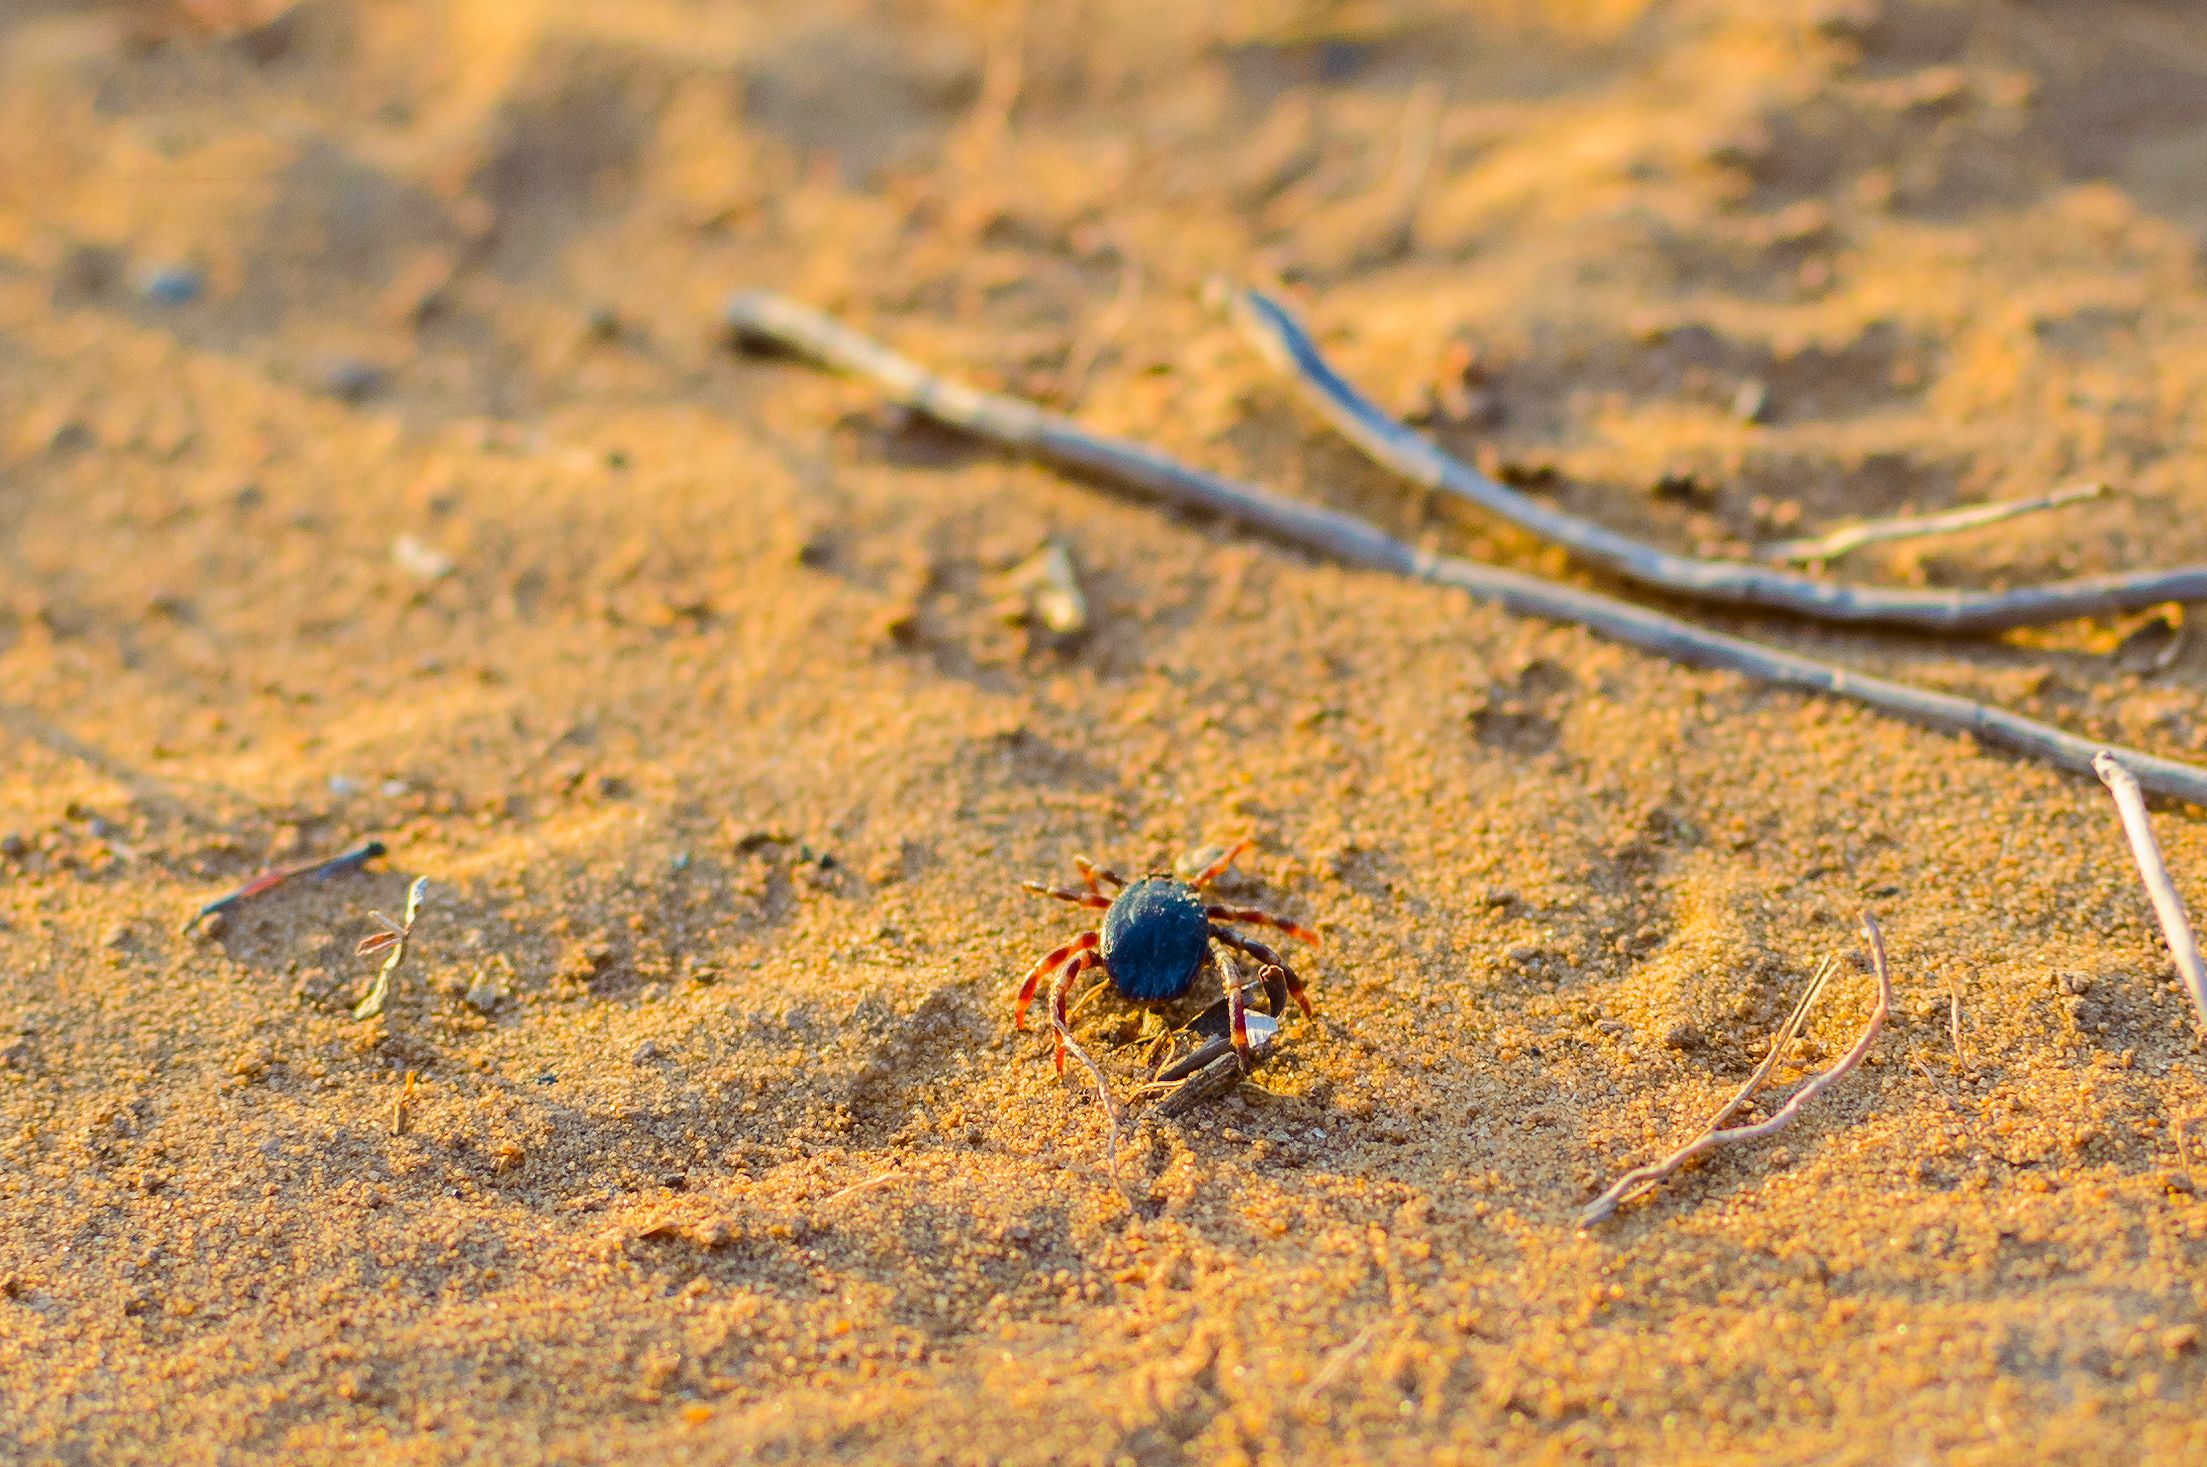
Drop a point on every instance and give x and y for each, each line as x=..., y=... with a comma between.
x=761, y=318
x=1820, y=549
x=1287, y=345
x=1645, y=1179
x=2130, y=803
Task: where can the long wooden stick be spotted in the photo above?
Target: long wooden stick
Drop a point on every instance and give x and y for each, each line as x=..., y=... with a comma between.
x=2144, y=849
x=1287, y=345
x=763, y=319
x=1645, y=1179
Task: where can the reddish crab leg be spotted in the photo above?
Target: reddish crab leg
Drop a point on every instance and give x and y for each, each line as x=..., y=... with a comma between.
x=1237, y=1017
x=1077, y=898
x=1263, y=919
x=1058, y=990
x=1092, y=873
x=1084, y=943
x=1269, y=958
x=1217, y=868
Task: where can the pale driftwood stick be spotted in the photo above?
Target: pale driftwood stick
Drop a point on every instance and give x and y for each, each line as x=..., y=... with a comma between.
x=1818, y=549
x=2146, y=851
x=770, y=320
x=1644, y=1179
x=1287, y=345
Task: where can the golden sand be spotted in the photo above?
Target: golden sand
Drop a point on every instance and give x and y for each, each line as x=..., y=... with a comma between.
x=419, y=500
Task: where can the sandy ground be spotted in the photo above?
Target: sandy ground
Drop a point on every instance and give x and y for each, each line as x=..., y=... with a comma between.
x=369, y=466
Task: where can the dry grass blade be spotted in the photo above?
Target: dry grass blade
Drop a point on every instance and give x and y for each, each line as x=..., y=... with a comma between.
x=764, y=319
x=2130, y=803
x=1821, y=549
x=1284, y=342
x=1645, y=1179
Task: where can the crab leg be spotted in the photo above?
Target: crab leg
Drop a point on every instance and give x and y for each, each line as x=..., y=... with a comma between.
x=1077, y=898
x=1267, y=957
x=1058, y=990
x=1091, y=873
x=1237, y=1021
x=1084, y=943
x=1264, y=919
x=1217, y=868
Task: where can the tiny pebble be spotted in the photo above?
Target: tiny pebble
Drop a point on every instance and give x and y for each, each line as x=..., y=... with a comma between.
x=648, y=1050
x=352, y=380
x=344, y=785
x=1751, y=404
x=171, y=285
x=483, y=996
x=421, y=560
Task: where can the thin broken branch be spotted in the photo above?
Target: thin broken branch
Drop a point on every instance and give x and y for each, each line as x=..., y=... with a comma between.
x=763, y=319
x=1288, y=346
x=1646, y=1179
x=1821, y=549
x=2146, y=851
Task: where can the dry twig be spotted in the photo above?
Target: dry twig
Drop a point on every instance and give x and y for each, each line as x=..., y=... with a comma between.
x=1645, y=1179
x=2130, y=803
x=1336, y=1362
x=1287, y=345
x=841, y=1193
x=1820, y=549
x=1103, y=1095
x=764, y=319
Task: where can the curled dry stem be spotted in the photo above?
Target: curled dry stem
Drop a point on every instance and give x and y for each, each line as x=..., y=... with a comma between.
x=1642, y=1180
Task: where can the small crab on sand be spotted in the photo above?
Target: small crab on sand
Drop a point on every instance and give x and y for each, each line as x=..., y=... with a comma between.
x=1155, y=938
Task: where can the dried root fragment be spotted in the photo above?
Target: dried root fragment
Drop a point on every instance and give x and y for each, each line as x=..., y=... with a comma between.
x=1643, y=1180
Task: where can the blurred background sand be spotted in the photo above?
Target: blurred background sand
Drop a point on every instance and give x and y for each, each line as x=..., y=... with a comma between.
x=370, y=465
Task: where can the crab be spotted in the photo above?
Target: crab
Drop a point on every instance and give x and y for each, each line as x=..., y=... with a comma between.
x=1154, y=939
